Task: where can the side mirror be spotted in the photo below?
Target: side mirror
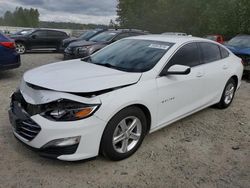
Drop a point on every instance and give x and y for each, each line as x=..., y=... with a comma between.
x=178, y=70
x=33, y=36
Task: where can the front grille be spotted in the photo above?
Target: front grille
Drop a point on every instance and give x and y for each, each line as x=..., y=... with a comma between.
x=21, y=111
x=27, y=129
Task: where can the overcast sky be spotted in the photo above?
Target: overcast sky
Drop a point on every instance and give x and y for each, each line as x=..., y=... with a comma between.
x=79, y=11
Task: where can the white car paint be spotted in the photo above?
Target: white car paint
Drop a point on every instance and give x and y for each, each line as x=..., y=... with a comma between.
x=77, y=76
x=168, y=98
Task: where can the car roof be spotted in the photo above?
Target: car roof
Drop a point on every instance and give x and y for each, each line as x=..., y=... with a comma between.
x=170, y=38
x=42, y=29
x=125, y=30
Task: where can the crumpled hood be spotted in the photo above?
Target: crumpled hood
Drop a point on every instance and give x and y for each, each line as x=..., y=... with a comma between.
x=237, y=50
x=76, y=76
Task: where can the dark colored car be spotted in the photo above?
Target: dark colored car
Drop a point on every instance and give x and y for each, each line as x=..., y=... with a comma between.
x=84, y=37
x=217, y=38
x=82, y=49
x=9, y=59
x=240, y=46
x=39, y=39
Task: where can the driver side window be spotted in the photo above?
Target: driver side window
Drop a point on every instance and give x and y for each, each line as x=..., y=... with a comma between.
x=188, y=55
x=40, y=34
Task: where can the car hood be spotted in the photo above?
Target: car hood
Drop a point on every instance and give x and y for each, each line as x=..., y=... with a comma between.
x=70, y=39
x=76, y=76
x=17, y=36
x=81, y=43
x=238, y=50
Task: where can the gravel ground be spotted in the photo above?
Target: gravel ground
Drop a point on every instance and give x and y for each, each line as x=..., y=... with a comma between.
x=208, y=149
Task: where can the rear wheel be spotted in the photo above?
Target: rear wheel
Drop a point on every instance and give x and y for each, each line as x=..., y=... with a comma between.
x=124, y=134
x=20, y=48
x=228, y=94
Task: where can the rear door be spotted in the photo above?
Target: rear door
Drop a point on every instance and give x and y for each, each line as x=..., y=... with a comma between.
x=216, y=67
x=55, y=38
x=181, y=94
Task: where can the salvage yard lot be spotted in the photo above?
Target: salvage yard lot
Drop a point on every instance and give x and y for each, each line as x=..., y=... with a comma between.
x=208, y=149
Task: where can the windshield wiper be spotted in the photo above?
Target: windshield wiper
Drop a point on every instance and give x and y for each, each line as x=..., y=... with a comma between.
x=87, y=59
x=111, y=66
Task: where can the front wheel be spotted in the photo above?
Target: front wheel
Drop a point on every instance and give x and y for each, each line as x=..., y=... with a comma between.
x=20, y=48
x=228, y=94
x=124, y=134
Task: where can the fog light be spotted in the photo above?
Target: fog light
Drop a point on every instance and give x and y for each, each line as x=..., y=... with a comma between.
x=62, y=142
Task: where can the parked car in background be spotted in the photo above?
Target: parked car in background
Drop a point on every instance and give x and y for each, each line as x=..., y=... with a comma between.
x=9, y=59
x=39, y=39
x=82, y=49
x=108, y=102
x=22, y=32
x=240, y=46
x=175, y=33
x=84, y=37
x=216, y=38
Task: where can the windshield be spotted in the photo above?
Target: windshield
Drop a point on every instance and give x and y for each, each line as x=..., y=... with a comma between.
x=240, y=41
x=103, y=37
x=88, y=34
x=131, y=55
x=24, y=32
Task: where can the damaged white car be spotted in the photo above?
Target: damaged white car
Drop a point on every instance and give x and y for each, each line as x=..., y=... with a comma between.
x=108, y=102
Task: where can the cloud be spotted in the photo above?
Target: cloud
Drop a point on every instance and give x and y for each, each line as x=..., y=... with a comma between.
x=80, y=11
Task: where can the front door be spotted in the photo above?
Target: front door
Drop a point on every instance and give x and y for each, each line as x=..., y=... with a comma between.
x=179, y=95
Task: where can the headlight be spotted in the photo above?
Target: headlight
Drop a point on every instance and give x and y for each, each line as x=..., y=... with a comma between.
x=83, y=49
x=66, y=110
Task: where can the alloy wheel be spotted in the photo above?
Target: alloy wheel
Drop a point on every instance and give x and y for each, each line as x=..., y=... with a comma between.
x=20, y=48
x=229, y=93
x=127, y=134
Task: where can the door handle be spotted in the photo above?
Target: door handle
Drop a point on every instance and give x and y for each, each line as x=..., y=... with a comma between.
x=225, y=67
x=199, y=74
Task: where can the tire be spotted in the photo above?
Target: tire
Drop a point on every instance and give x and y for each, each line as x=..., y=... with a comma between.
x=20, y=48
x=228, y=94
x=127, y=140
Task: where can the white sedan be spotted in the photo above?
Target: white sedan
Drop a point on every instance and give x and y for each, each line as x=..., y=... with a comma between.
x=108, y=102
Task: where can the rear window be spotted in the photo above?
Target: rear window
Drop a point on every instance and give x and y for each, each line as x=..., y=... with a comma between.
x=209, y=52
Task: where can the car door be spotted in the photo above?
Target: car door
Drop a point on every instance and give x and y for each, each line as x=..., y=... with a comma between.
x=53, y=39
x=216, y=67
x=38, y=39
x=179, y=95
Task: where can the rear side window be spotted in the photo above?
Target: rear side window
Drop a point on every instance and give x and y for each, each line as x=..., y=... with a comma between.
x=56, y=34
x=224, y=53
x=209, y=52
x=188, y=55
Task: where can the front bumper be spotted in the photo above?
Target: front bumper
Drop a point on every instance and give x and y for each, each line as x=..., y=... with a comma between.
x=72, y=53
x=90, y=130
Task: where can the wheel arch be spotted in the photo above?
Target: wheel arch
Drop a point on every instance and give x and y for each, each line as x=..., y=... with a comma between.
x=235, y=78
x=147, y=114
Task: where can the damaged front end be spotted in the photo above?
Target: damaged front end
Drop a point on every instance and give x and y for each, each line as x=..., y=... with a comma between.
x=52, y=105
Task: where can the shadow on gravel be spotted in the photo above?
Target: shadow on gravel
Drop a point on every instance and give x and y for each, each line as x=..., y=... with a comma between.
x=6, y=74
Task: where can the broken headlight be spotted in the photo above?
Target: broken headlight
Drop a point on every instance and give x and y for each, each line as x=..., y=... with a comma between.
x=66, y=110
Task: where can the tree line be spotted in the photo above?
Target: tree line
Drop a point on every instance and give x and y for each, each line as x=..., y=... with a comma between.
x=21, y=17
x=196, y=17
